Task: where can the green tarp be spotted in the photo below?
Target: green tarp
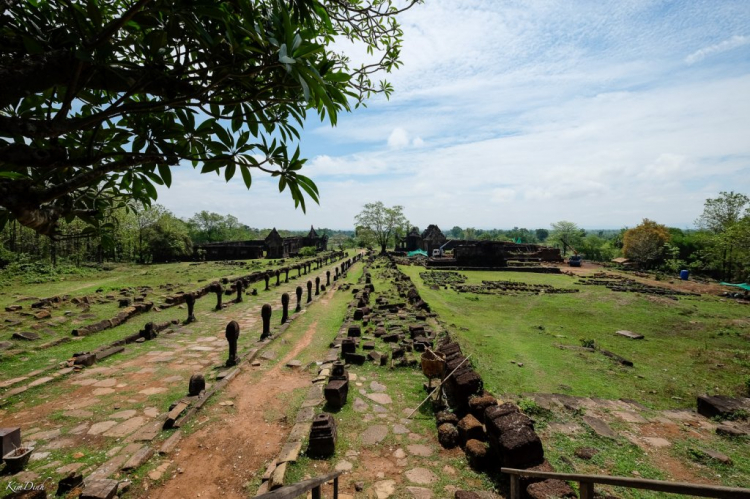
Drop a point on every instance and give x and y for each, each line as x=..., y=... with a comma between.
x=744, y=286
x=416, y=253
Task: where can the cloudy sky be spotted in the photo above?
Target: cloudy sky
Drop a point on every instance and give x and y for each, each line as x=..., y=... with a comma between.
x=525, y=113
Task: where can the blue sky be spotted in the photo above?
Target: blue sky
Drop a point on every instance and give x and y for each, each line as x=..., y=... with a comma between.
x=525, y=113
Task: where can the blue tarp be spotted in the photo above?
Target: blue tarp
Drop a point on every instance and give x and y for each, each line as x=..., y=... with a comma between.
x=416, y=253
x=744, y=286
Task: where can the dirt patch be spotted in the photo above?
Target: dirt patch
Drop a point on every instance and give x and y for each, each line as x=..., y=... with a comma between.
x=220, y=459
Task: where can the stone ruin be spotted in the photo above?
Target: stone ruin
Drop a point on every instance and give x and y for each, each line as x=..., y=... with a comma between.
x=232, y=334
x=284, y=308
x=265, y=314
x=298, y=292
x=197, y=385
x=322, y=442
x=337, y=388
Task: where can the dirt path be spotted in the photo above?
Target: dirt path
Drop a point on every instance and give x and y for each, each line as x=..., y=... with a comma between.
x=220, y=459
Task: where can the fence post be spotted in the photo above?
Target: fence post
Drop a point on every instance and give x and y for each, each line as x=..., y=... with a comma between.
x=336, y=488
x=586, y=490
x=515, y=487
x=316, y=492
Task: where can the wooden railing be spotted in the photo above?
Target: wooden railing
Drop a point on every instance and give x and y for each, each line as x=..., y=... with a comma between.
x=301, y=488
x=586, y=485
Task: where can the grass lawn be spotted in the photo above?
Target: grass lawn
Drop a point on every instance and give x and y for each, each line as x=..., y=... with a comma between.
x=692, y=346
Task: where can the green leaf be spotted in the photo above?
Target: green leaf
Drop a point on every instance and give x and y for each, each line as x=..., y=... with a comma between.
x=166, y=174
x=246, y=176
x=229, y=171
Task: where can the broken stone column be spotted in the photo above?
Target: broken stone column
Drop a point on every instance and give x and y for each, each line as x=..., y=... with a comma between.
x=190, y=301
x=149, y=331
x=322, y=441
x=239, y=285
x=197, y=385
x=265, y=314
x=328, y=277
x=285, y=308
x=317, y=286
x=309, y=291
x=299, y=298
x=232, y=334
x=219, y=290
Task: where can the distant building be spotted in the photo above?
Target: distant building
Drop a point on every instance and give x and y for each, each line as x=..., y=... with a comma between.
x=273, y=246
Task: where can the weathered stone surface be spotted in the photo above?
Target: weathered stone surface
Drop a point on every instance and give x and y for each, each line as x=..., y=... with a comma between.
x=419, y=492
x=520, y=448
x=550, y=489
x=721, y=406
x=478, y=404
x=730, y=431
x=630, y=334
x=470, y=428
x=125, y=428
x=384, y=489
x=374, y=434
x=446, y=417
x=448, y=435
x=101, y=427
x=380, y=398
x=600, y=427
x=360, y=405
x=476, y=453
x=26, y=336
x=138, y=458
x=419, y=450
x=100, y=489
x=421, y=476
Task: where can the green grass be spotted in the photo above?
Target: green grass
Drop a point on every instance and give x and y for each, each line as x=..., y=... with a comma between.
x=691, y=346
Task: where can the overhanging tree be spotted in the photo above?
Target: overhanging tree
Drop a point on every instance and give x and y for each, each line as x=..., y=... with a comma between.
x=99, y=100
x=380, y=223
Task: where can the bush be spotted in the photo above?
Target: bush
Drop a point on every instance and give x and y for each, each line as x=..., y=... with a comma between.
x=308, y=251
x=587, y=343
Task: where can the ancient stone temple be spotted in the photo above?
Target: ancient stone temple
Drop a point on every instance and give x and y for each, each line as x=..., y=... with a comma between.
x=273, y=246
x=432, y=238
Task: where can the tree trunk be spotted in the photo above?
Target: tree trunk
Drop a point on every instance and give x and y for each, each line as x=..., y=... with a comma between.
x=382, y=249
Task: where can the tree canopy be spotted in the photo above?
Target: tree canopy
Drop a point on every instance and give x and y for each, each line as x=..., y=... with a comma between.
x=100, y=100
x=380, y=223
x=645, y=242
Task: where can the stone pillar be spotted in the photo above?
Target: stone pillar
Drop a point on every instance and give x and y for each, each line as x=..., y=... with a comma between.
x=299, y=299
x=190, y=302
x=240, y=286
x=284, y=308
x=267, y=277
x=328, y=277
x=219, y=290
x=317, y=286
x=286, y=275
x=197, y=385
x=265, y=314
x=309, y=291
x=299, y=270
x=232, y=334
x=278, y=274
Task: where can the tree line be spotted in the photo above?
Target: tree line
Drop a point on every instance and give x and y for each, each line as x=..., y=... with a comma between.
x=135, y=234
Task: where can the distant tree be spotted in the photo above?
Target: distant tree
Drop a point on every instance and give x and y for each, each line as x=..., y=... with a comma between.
x=470, y=233
x=719, y=218
x=145, y=217
x=722, y=212
x=566, y=234
x=168, y=239
x=380, y=222
x=645, y=242
x=542, y=234
x=456, y=233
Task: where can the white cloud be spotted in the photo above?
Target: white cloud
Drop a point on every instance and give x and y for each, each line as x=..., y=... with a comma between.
x=398, y=138
x=524, y=113
x=717, y=48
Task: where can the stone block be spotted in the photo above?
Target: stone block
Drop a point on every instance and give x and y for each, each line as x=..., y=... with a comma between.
x=476, y=453
x=520, y=448
x=469, y=428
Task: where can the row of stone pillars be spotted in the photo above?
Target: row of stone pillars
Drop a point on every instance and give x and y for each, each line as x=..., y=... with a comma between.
x=241, y=285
